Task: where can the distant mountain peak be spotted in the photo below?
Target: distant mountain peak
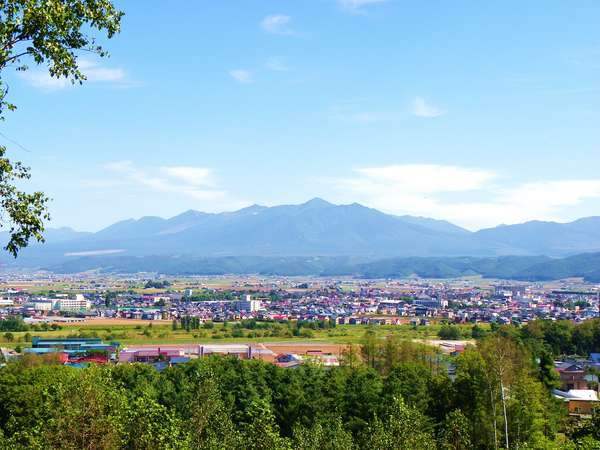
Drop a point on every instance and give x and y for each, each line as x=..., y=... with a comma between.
x=190, y=213
x=149, y=219
x=317, y=202
x=254, y=207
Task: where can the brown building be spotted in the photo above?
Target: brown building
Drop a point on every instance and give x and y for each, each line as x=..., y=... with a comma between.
x=579, y=402
x=580, y=407
x=572, y=377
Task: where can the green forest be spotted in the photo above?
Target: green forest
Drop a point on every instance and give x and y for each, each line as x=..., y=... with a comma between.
x=387, y=394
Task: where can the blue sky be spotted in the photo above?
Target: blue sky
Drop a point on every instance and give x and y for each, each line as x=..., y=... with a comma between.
x=473, y=112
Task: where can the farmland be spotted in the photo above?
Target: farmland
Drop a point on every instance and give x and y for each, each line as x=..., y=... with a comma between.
x=147, y=332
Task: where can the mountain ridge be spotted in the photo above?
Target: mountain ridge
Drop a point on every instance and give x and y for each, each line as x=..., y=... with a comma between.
x=522, y=268
x=316, y=227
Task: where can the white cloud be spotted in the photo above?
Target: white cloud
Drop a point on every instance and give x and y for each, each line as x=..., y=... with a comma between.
x=42, y=80
x=277, y=24
x=549, y=196
x=196, y=176
x=441, y=191
x=94, y=72
x=423, y=109
x=357, y=6
x=428, y=178
x=190, y=181
x=241, y=76
x=276, y=65
x=119, y=166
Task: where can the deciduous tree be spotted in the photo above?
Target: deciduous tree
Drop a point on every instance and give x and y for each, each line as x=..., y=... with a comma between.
x=51, y=33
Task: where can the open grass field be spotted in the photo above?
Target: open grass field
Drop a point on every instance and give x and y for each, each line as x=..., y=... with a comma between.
x=128, y=332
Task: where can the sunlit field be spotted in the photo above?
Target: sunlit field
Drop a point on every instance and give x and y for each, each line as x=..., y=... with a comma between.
x=162, y=333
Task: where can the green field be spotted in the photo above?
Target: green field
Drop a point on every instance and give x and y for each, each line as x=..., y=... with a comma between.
x=163, y=334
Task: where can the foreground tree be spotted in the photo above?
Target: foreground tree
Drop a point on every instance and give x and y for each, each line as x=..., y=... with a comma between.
x=323, y=435
x=402, y=428
x=455, y=432
x=504, y=360
x=262, y=433
x=48, y=32
x=86, y=412
x=156, y=428
x=209, y=425
x=220, y=402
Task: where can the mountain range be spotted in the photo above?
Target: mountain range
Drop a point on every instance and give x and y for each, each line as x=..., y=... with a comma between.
x=529, y=268
x=315, y=228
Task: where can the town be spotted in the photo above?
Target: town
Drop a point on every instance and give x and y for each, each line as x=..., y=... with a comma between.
x=308, y=225
x=278, y=319
x=56, y=299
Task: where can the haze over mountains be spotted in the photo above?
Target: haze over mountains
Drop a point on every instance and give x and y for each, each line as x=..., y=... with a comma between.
x=315, y=228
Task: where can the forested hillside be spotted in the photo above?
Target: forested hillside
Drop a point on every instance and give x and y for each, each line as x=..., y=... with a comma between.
x=530, y=268
x=389, y=394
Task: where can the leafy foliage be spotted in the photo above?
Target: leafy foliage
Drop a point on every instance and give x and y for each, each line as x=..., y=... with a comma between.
x=49, y=32
x=395, y=395
x=451, y=332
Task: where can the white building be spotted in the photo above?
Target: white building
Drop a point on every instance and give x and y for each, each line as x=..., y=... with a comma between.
x=42, y=304
x=248, y=304
x=78, y=303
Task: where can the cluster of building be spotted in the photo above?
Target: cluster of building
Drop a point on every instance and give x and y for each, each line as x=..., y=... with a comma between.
x=579, y=384
x=75, y=351
x=358, y=302
x=32, y=305
x=80, y=352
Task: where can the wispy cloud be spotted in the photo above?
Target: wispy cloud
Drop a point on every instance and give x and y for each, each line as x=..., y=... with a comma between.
x=551, y=195
x=276, y=65
x=195, y=176
x=277, y=24
x=357, y=6
x=41, y=80
x=190, y=181
x=427, y=178
x=241, y=76
x=472, y=197
x=94, y=72
x=422, y=108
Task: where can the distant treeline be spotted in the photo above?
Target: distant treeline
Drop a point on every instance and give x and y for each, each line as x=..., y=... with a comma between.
x=563, y=337
x=157, y=284
x=555, y=338
x=532, y=268
x=228, y=295
x=17, y=324
x=287, y=329
x=211, y=295
x=388, y=394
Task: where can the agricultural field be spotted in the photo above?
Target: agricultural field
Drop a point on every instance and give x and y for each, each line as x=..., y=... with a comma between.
x=162, y=332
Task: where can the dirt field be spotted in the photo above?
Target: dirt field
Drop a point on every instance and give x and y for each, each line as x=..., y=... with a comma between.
x=446, y=346
x=302, y=348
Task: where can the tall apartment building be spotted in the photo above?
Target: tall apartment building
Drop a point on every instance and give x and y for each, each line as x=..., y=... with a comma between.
x=248, y=304
x=78, y=303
